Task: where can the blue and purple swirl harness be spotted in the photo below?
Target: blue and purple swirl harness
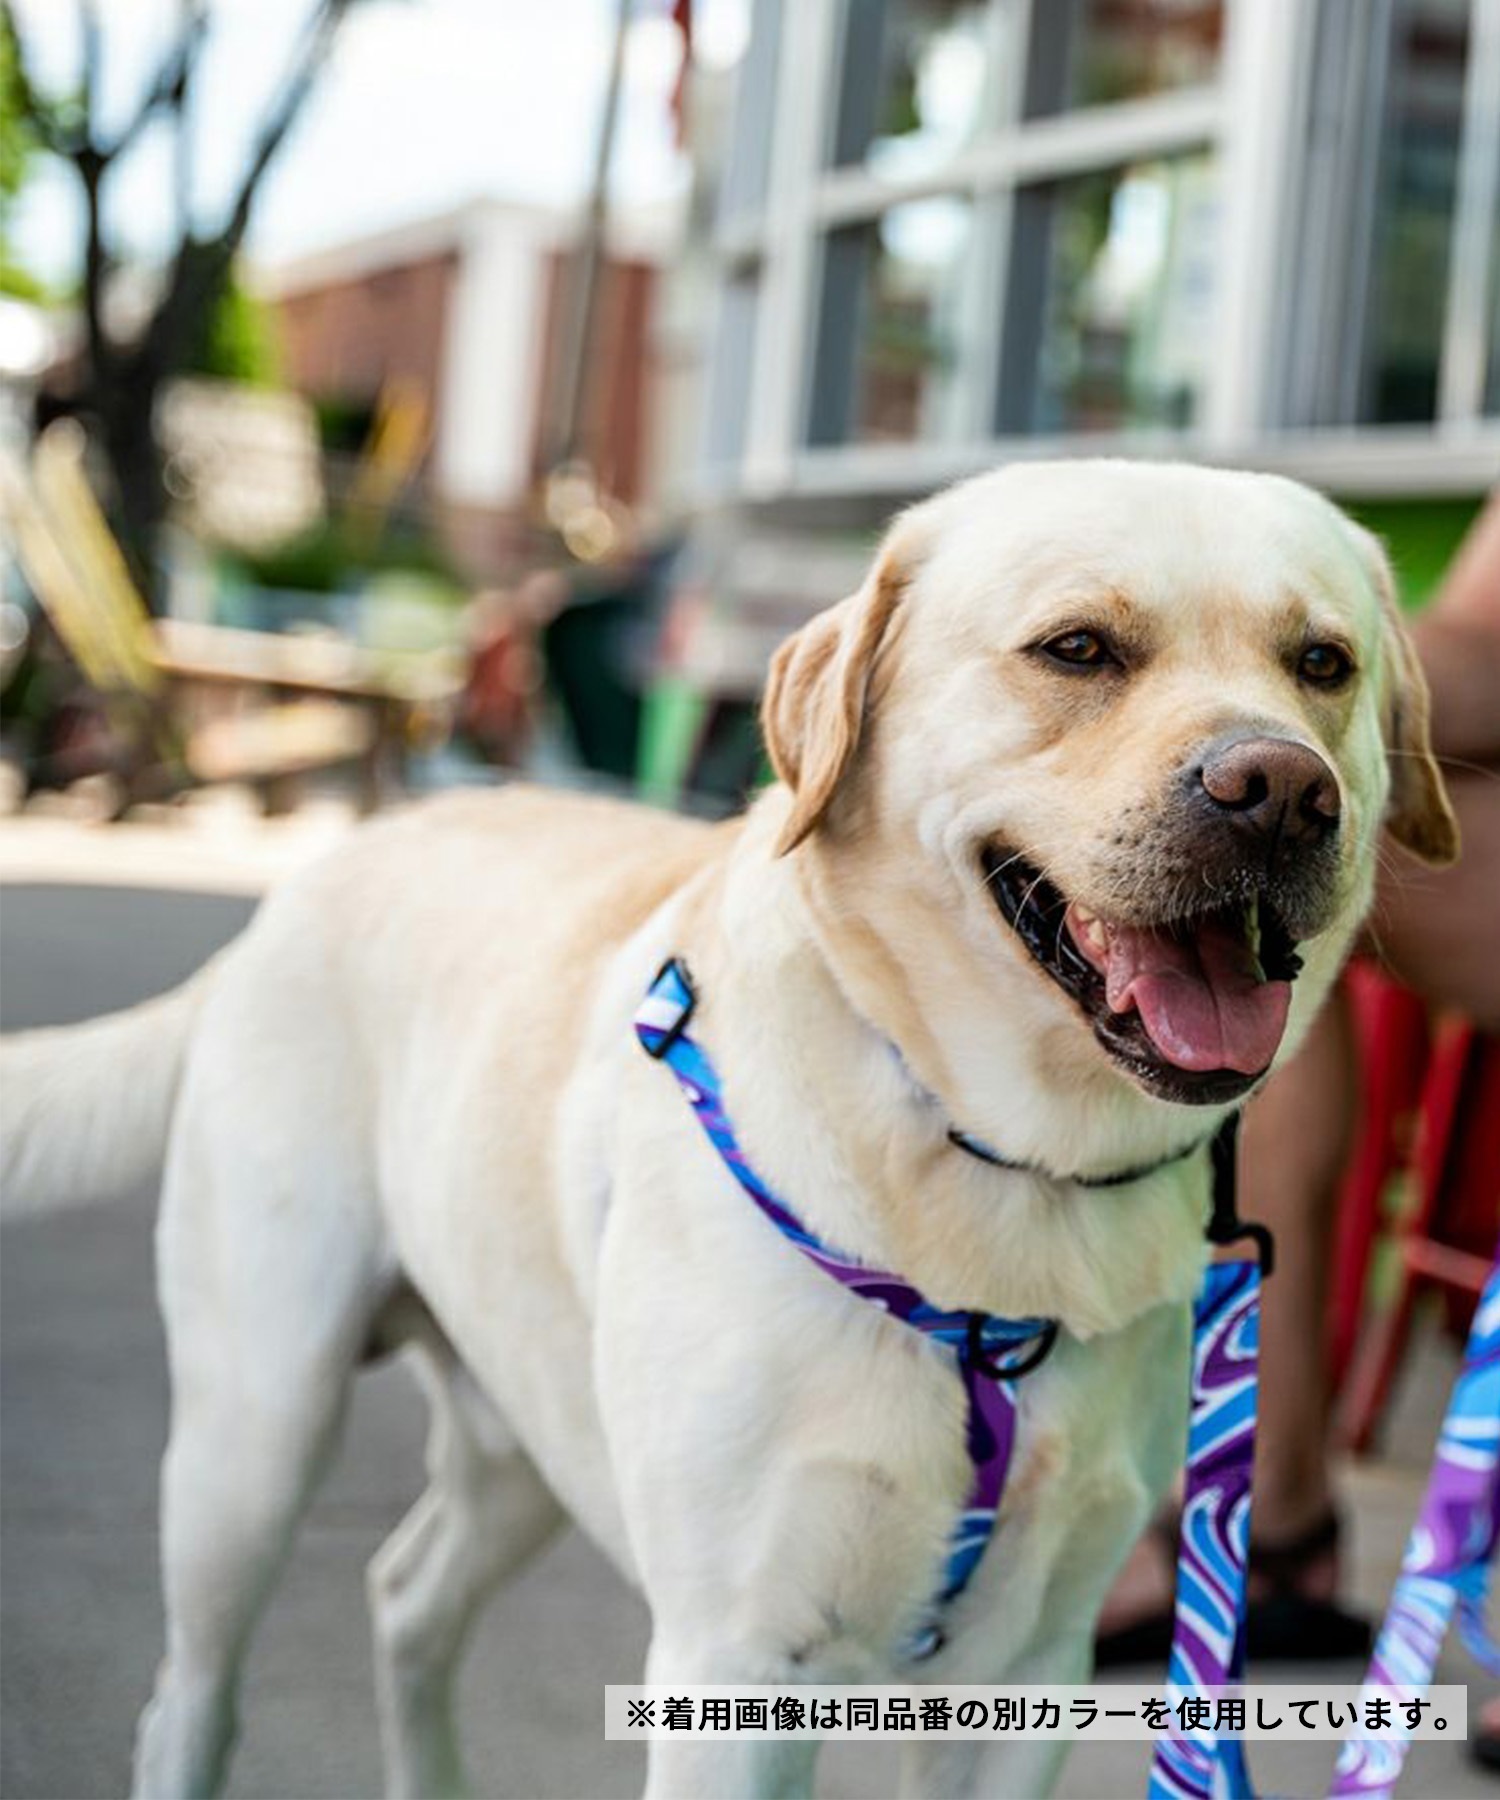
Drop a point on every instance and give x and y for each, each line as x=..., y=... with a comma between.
x=1452, y=1544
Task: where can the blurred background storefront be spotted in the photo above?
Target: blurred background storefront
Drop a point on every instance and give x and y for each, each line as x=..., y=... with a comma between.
x=551, y=465
x=952, y=232
x=403, y=393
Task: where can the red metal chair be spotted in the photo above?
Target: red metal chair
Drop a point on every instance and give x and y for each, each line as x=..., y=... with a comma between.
x=1432, y=1109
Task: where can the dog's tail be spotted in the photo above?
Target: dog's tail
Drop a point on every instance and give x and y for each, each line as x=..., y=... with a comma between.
x=85, y=1109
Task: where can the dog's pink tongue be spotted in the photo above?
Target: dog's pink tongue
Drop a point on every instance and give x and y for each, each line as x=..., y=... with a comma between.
x=1198, y=997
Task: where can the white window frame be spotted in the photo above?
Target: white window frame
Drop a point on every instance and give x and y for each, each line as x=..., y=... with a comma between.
x=1474, y=278
x=1249, y=117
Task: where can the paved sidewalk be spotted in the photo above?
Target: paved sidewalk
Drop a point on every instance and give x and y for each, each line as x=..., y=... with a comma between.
x=84, y=1421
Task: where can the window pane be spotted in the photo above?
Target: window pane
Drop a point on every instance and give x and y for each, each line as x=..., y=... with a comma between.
x=750, y=75
x=1091, y=52
x=1111, y=283
x=729, y=371
x=914, y=81
x=1414, y=212
x=888, y=350
x=1492, y=373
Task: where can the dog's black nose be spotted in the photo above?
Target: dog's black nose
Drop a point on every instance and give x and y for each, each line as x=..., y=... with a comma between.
x=1272, y=788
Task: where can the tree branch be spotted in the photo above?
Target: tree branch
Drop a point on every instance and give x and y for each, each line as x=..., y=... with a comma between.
x=40, y=115
x=93, y=53
x=96, y=266
x=202, y=265
x=316, y=43
x=171, y=83
x=82, y=138
x=194, y=21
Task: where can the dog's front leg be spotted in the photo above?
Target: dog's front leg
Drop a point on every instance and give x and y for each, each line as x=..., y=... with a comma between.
x=733, y=1769
x=934, y=1771
x=996, y=1770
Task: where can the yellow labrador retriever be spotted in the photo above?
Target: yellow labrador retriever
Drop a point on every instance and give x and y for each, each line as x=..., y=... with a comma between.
x=1077, y=813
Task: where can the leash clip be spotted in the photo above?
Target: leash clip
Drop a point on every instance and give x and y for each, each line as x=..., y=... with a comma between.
x=1225, y=1226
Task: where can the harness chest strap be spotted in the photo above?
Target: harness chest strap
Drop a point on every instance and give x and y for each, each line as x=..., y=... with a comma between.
x=976, y=1339
x=992, y=1353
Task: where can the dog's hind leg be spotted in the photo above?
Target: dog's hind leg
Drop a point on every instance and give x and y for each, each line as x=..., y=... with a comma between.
x=484, y=1513
x=267, y=1294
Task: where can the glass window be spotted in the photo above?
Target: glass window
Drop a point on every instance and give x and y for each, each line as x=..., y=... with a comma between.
x=1492, y=372
x=1111, y=283
x=888, y=350
x=1092, y=52
x=743, y=175
x=1415, y=198
x=915, y=78
x=729, y=370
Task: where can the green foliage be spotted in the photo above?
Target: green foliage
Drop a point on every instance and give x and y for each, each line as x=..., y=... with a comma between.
x=237, y=342
x=17, y=283
x=15, y=139
x=16, y=144
x=338, y=553
x=1421, y=535
x=19, y=144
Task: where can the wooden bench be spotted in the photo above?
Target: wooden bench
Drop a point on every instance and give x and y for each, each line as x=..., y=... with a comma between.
x=312, y=704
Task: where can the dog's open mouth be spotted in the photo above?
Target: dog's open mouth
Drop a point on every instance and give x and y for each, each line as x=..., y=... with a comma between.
x=1194, y=1008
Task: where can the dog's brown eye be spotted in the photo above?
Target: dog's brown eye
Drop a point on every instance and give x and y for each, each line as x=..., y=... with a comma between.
x=1079, y=649
x=1325, y=665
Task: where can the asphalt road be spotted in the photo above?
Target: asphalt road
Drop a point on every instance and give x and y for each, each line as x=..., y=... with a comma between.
x=83, y=1416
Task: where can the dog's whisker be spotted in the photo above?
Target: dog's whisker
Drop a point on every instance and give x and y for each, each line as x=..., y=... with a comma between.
x=1000, y=868
x=1062, y=926
x=1031, y=891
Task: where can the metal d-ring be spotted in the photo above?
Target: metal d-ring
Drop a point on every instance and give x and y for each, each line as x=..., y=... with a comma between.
x=977, y=1357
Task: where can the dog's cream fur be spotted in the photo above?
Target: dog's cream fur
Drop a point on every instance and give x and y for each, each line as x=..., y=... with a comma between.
x=408, y=1107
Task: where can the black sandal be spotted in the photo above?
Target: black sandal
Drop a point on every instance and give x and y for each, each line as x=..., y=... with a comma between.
x=1282, y=1626
x=1484, y=1749
x=1287, y=1626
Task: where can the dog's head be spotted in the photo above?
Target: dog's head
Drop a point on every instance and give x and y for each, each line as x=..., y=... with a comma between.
x=1133, y=729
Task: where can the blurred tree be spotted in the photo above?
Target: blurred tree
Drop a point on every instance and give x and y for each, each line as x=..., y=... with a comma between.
x=17, y=145
x=124, y=374
x=238, y=340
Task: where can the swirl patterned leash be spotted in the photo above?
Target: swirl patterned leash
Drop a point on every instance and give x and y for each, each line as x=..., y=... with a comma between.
x=1208, y=1629
x=1448, y=1555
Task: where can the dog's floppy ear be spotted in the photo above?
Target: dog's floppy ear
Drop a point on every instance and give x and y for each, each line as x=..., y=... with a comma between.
x=1418, y=814
x=814, y=705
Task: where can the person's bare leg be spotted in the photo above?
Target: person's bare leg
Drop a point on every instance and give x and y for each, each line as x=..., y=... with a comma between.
x=1296, y=1143
x=1438, y=930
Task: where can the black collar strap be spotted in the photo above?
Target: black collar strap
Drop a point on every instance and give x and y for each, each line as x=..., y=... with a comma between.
x=1121, y=1178
x=1225, y=1226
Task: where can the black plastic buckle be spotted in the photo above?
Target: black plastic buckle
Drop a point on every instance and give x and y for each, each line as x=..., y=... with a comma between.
x=1225, y=1226
x=674, y=1031
x=977, y=1357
